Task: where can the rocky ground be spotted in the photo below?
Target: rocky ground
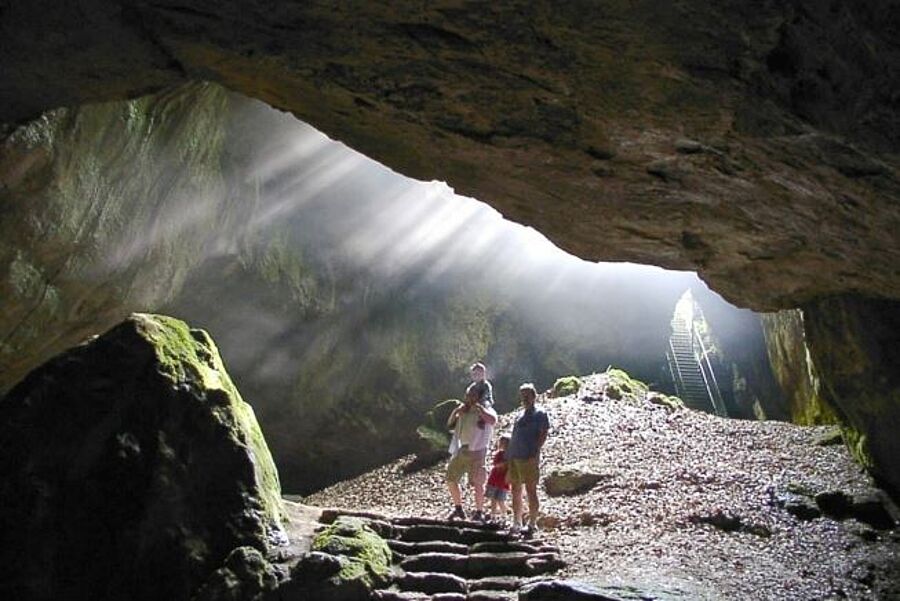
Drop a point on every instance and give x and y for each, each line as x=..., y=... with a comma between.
x=687, y=505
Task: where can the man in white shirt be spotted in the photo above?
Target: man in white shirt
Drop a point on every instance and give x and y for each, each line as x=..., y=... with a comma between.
x=473, y=426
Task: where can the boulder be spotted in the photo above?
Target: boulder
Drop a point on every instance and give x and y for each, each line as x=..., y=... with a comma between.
x=562, y=590
x=570, y=481
x=246, y=576
x=131, y=466
x=566, y=386
x=364, y=561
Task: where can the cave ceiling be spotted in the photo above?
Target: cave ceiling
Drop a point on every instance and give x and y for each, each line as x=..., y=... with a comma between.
x=755, y=143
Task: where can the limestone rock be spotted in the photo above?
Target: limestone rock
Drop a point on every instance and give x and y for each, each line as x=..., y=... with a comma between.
x=365, y=556
x=131, y=465
x=245, y=576
x=503, y=98
x=563, y=590
x=570, y=481
x=566, y=386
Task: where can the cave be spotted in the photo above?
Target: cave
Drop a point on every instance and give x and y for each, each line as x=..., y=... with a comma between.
x=145, y=166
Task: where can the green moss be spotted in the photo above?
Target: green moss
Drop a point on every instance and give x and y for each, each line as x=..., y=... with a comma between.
x=858, y=444
x=665, y=400
x=623, y=386
x=566, y=386
x=368, y=555
x=190, y=356
x=435, y=440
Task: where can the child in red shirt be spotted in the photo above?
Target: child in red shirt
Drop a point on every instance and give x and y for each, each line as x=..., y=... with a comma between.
x=497, y=489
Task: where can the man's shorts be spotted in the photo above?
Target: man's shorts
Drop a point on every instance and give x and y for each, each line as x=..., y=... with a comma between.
x=492, y=492
x=467, y=462
x=523, y=471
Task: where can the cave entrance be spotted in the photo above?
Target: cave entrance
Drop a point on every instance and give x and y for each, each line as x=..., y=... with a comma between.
x=345, y=298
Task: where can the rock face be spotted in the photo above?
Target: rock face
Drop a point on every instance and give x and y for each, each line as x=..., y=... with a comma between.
x=118, y=207
x=855, y=343
x=751, y=143
x=106, y=209
x=755, y=144
x=131, y=469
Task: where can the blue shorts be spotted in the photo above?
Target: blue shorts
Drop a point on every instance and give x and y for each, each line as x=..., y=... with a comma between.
x=492, y=492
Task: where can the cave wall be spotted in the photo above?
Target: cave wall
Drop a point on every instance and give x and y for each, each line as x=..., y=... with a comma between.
x=855, y=345
x=755, y=144
x=794, y=368
x=105, y=210
x=171, y=203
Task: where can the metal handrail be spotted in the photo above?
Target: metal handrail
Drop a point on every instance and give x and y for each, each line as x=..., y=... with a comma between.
x=715, y=394
x=678, y=381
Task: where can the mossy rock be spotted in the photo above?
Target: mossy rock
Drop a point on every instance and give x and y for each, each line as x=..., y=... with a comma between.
x=431, y=440
x=245, y=576
x=365, y=558
x=566, y=386
x=664, y=400
x=147, y=465
x=436, y=417
x=570, y=481
x=621, y=386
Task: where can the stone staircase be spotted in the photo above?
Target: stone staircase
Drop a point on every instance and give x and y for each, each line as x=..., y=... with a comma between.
x=689, y=383
x=439, y=560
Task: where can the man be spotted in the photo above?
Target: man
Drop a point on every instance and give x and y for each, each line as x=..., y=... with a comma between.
x=480, y=385
x=524, y=452
x=473, y=425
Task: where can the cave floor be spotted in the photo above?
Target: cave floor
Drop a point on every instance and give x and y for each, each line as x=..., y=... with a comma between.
x=689, y=506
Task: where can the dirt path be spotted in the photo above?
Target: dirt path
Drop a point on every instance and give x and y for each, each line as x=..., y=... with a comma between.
x=688, y=505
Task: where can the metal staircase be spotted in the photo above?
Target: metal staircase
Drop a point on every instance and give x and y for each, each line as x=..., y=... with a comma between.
x=689, y=365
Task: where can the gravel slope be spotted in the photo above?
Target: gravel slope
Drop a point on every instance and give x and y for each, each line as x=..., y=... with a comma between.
x=663, y=470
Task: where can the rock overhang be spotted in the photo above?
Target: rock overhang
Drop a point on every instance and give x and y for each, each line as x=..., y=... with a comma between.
x=756, y=147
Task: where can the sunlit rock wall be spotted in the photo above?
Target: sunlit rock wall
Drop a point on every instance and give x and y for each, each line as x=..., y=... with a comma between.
x=795, y=371
x=105, y=209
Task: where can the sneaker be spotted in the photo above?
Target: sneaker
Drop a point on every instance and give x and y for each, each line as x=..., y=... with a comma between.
x=479, y=516
x=456, y=514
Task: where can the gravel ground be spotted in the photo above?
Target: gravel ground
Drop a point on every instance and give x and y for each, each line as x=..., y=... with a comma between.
x=662, y=469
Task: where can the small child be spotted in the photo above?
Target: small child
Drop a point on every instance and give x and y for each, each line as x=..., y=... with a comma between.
x=497, y=488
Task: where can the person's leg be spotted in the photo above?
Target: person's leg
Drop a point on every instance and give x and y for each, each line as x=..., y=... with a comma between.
x=455, y=492
x=531, y=482
x=455, y=470
x=533, y=504
x=517, y=504
x=478, y=478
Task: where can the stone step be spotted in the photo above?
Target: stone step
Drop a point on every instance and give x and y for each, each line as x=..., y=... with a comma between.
x=330, y=514
x=425, y=521
x=504, y=547
x=466, y=536
x=496, y=583
x=492, y=596
x=432, y=583
x=435, y=546
x=392, y=595
x=481, y=565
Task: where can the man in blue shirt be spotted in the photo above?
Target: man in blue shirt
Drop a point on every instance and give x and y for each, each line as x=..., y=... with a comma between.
x=528, y=436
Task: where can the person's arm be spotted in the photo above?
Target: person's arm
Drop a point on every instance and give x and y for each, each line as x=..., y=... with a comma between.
x=542, y=435
x=454, y=415
x=487, y=395
x=487, y=414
